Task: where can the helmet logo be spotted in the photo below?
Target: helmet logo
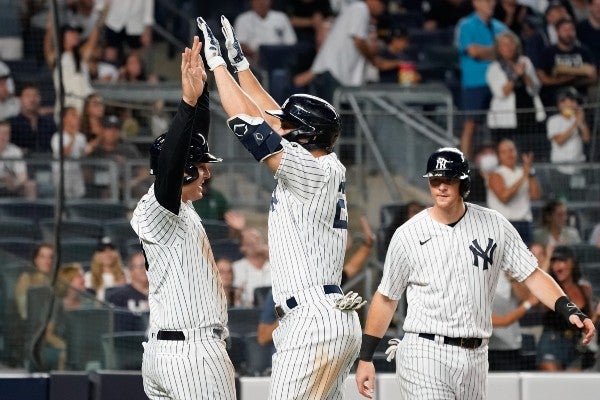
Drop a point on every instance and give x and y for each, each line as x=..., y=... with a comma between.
x=441, y=163
x=240, y=129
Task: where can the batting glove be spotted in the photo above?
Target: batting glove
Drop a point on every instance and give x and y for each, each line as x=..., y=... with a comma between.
x=391, y=351
x=212, y=50
x=234, y=50
x=350, y=301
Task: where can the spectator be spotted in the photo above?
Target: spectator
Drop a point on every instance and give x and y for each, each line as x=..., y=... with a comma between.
x=568, y=133
x=232, y=293
x=83, y=13
x=253, y=270
x=134, y=70
x=11, y=39
x=565, y=63
x=475, y=35
x=595, y=236
x=37, y=275
x=106, y=269
x=511, y=302
x=511, y=188
x=396, y=64
x=110, y=146
x=546, y=35
x=133, y=296
x=581, y=9
x=515, y=109
x=262, y=26
x=542, y=254
x=74, y=148
x=70, y=291
x=342, y=58
x=513, y=15
x=91, y=121
x=445, y=14
x=14, y=180
x=213, y=204
x=588, y=31
x=9, y=104
x=32, y=129
x=553, y=229
x=309, y=18
x=558, y=347
x=127, y=21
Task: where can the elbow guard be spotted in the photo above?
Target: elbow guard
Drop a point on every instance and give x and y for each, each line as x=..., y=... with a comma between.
x=256, y=136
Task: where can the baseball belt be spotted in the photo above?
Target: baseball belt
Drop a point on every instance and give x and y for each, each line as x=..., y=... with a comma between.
x=292, y=303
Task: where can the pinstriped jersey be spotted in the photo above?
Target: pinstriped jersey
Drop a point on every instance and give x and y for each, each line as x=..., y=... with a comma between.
x=185, y=289
x=451, y=273
x=307, y=222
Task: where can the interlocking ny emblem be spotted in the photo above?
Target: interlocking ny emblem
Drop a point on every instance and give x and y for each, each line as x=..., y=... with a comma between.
x=441, y=163
x=487, y=255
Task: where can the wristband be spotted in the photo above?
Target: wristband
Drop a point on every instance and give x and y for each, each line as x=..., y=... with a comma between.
x=526, y=305
x=367, y=347
x=566, y=308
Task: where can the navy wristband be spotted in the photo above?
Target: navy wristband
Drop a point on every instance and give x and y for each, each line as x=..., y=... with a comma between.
x=566, y=308
x=367, y=347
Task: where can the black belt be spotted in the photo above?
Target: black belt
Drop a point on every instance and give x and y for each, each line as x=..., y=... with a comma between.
x=170, y=335
x=292, y=302
x=178, y=335
x=467, y=343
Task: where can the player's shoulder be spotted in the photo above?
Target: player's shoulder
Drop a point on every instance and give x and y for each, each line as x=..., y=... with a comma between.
x=480, y=212
x=408, y=227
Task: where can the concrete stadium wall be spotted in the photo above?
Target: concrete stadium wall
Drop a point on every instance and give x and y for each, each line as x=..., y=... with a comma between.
x=125, y=385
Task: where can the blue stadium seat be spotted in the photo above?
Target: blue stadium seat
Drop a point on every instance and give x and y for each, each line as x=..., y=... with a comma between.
x=19, y=246
x=72, y=228
x=243, y=320
x=97, y=210
x=123, y=350
x=18, y=227
x=83, y=334
x=34, y=210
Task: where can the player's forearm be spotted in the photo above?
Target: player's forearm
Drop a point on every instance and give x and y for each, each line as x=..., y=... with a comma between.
x=380, y=315
x=256, y=92
x=201, y=121
x=233, y=99
x=542, y=286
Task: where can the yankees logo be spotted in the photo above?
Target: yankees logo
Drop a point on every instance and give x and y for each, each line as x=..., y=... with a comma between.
x=486, y=255
x=441, y=163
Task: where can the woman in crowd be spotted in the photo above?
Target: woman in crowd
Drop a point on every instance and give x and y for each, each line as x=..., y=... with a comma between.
x=38, y=275
x=106, y=270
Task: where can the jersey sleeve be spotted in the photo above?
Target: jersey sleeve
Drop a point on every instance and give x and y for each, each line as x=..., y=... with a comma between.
x=396, y=270
x=517, y=260
x=303, y=174
x=155, y=224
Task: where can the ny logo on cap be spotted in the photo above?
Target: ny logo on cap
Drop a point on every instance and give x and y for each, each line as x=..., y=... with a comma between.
x=441, y=163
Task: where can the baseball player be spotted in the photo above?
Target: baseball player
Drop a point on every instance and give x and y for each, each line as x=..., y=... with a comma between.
x=185, y=356
x=318, y=335
x=448, y=258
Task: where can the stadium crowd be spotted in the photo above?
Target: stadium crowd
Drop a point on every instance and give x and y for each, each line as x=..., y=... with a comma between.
x=525, y=74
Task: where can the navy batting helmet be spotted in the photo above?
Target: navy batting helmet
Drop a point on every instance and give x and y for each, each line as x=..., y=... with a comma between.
x=317, y=123
x=450, y=162
x=198, y=153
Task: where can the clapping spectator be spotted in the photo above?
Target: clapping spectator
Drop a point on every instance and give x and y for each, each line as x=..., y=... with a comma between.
x=511, y=188
x=74, y=148
x=515, y=109
x=106, y=269
x=14, y=180
x=37, y=275
x=553, y=229
x=254, y=269
x=558, y=347
x=9, y=104
x=32, y=129
x=261, y=25
x=565, y=63
x=568, y=133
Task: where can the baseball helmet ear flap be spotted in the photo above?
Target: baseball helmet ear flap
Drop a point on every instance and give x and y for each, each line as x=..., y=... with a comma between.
x=465, y=187
x=191, y=174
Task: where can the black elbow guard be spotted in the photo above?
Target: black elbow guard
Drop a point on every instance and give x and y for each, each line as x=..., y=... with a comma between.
x=256, y=136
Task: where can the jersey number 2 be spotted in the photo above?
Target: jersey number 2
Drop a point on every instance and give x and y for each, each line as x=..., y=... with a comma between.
x=341, y=214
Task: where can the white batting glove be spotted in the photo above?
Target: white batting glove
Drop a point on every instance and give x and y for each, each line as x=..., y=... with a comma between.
x=234, y=50
x=212, y=49
x=350, y=301
x=391, y=351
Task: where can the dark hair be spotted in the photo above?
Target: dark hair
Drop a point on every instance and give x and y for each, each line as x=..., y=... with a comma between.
x=38, y=249
x=566, y=253
x=549, y=209
x=562, y=21
x=28, y=85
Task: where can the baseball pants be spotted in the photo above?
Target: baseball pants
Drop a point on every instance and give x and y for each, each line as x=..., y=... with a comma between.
x=195, y=368
x=429, y=369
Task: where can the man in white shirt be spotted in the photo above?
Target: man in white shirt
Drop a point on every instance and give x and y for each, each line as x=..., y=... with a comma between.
x=253, y=270
x=13, y=173
x=263, y=26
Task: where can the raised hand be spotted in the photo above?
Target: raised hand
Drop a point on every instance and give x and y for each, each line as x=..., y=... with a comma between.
x=212, y=49
x=193, y=75
x=234, y=50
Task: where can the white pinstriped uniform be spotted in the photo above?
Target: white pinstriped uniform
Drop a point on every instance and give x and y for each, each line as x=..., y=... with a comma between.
x=186, y=295
x=316, y=344
x=450, y=274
